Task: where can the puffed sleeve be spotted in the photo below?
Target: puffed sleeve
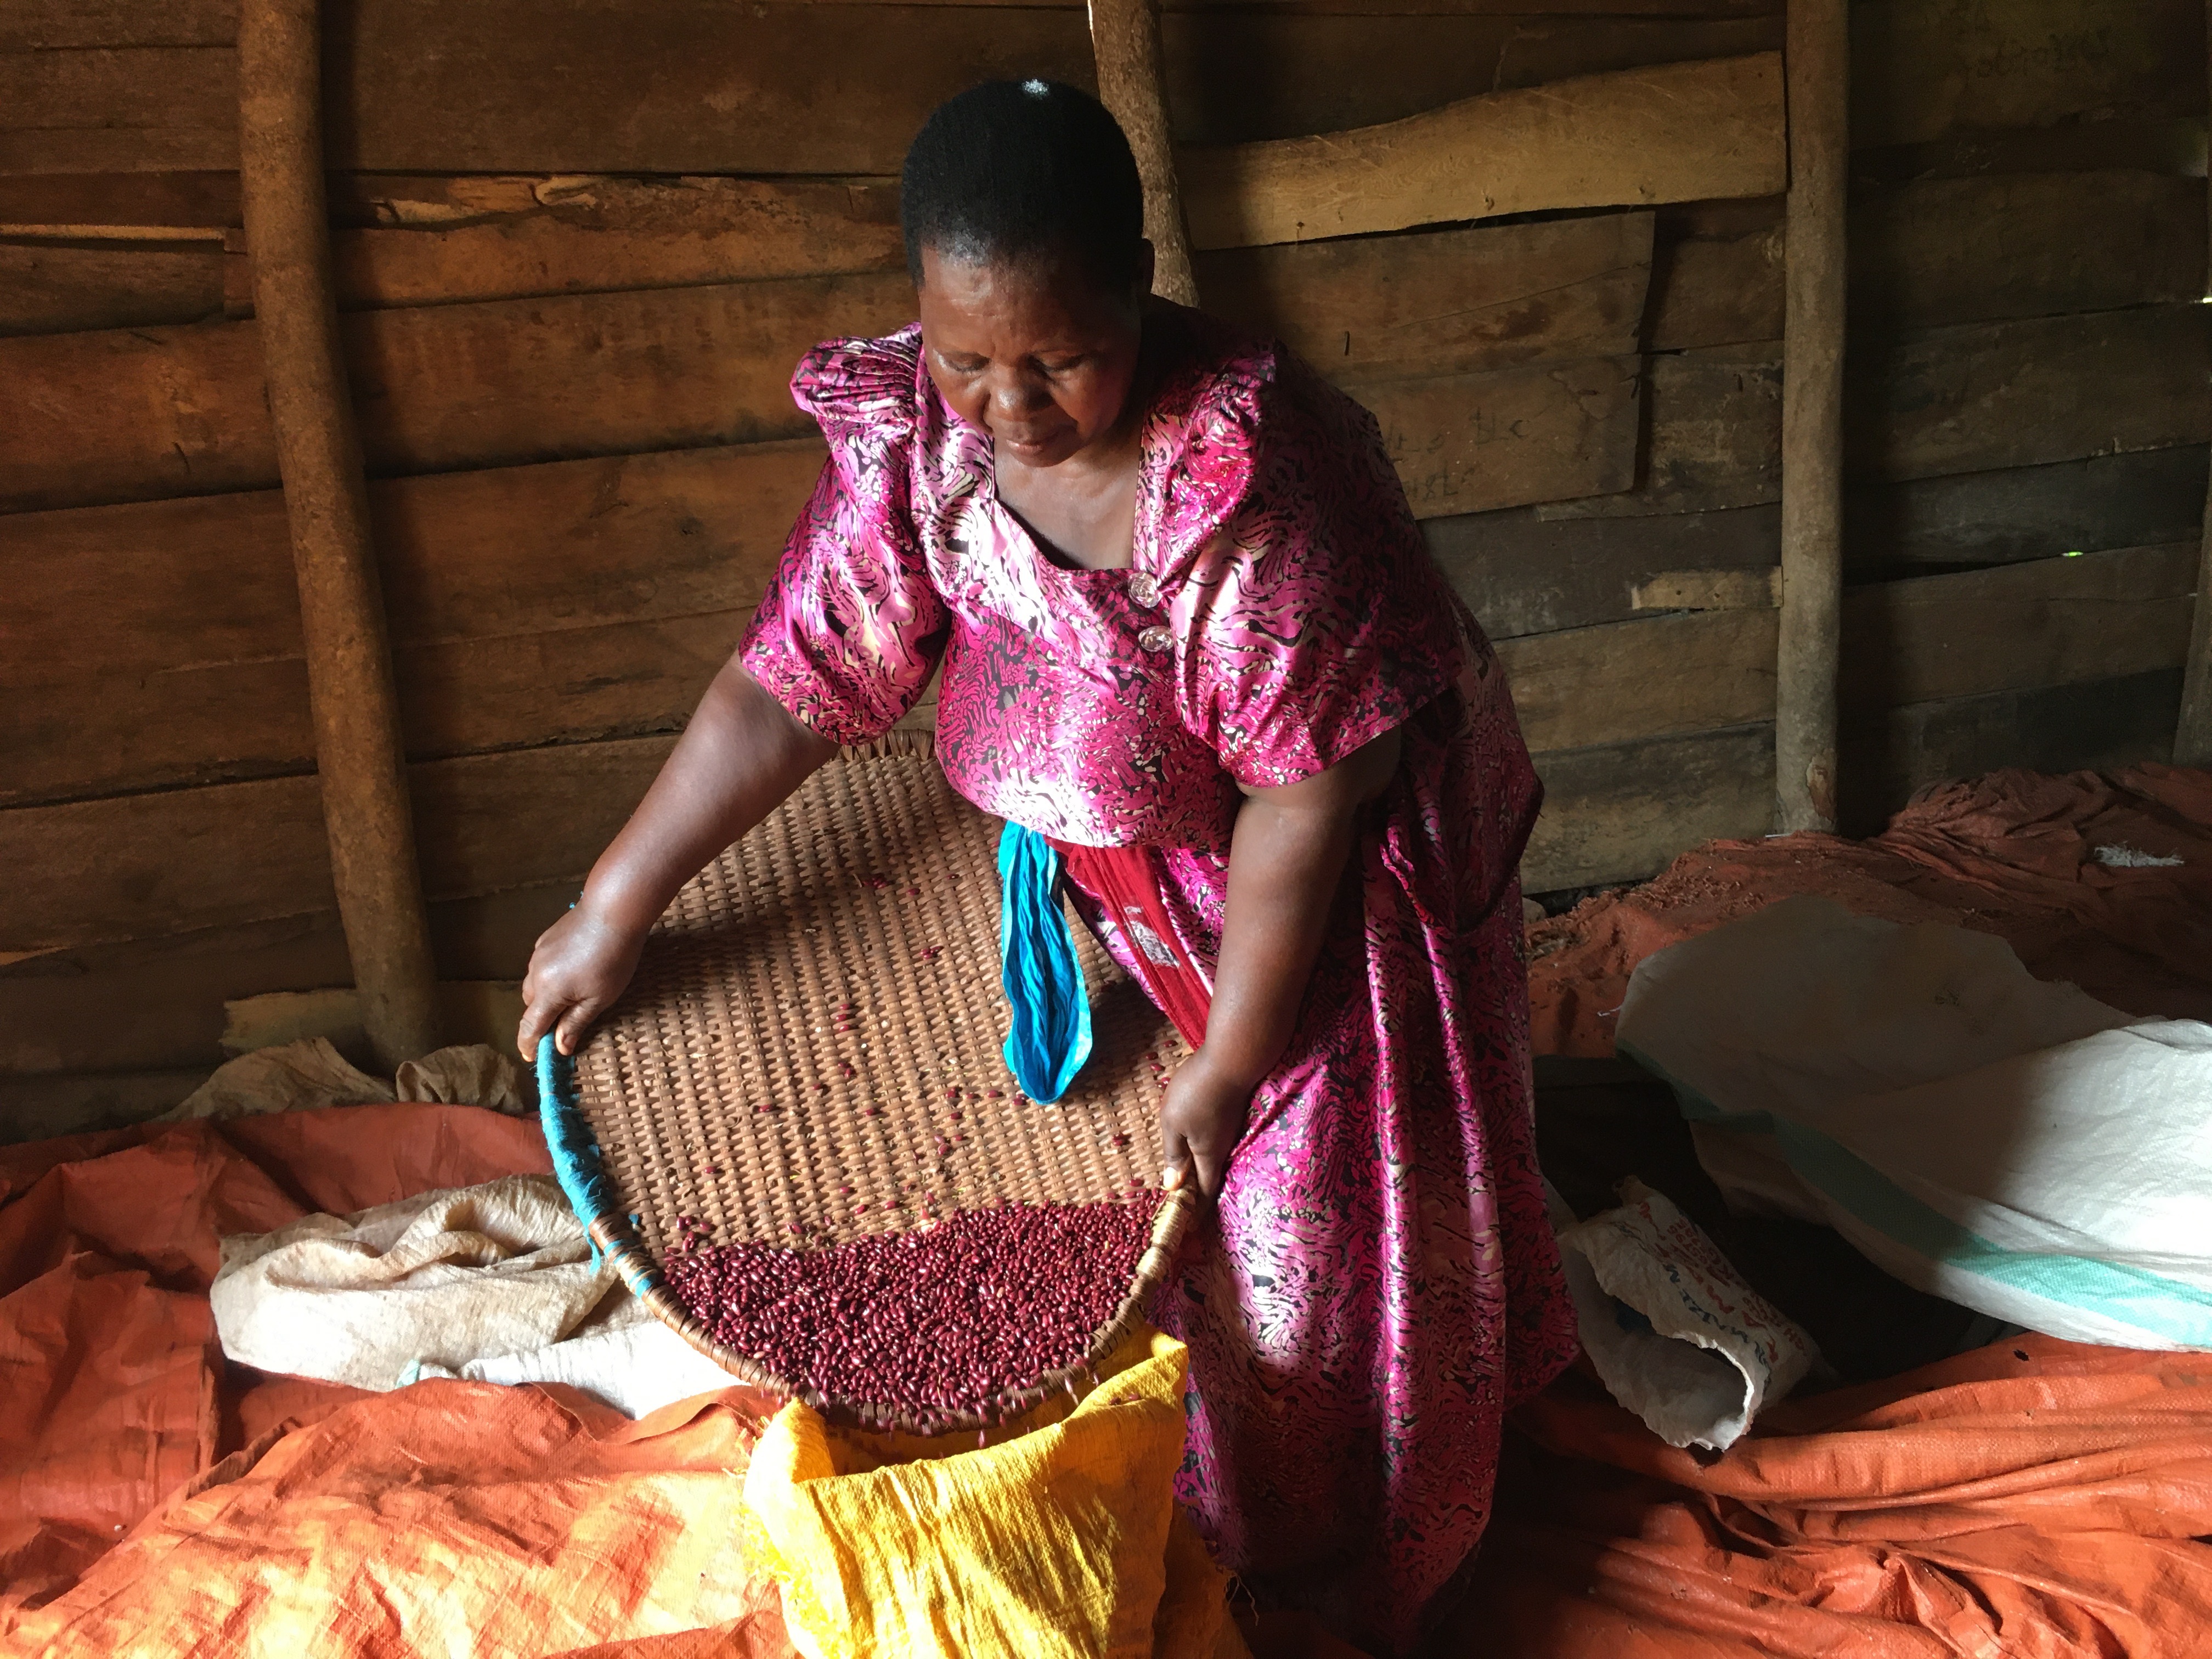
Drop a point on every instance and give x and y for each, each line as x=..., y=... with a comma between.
x=1313, y=620
x=851, y=629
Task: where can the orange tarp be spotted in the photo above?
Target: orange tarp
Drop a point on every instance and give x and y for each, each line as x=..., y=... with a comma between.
x=117, y=1390
x=448, y=1517
x=2012, y=854
x=2031, y=1499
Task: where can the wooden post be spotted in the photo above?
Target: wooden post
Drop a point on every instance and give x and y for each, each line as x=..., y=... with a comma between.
x=1125, y=36
x=350, y=683
x=1817, y=67
x=2192, y=733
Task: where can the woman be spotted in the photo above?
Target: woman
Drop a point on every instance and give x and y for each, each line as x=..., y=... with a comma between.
x=1189, y=632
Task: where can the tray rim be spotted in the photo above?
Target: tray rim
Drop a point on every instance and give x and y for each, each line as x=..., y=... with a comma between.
x=612, y=1236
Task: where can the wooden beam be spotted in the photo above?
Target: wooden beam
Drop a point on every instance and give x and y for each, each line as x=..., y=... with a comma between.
x=1548, y=432
x=2138, y=499
x=152, y=588
x=53, y=284
x=366, y=819
x=1715, y=438
x=1933, y=67
x=609, y=234
x=2021, y=393
x=1446, y=302
x=178, y=411
x=1522, y=572
x=2097, y=725
x=1935, y=253
x=141, y=865
x=1708, y=589
x=1938, y=252
x=1987, y=400
x=1809, y=641
x=1544, y=49
x=132, y=866
x=1125, y=40
x=1648, y=679
x=2193, y=730
x=2015, y=628
x=1683, y=132
x=146, y=413
x=1623, y=811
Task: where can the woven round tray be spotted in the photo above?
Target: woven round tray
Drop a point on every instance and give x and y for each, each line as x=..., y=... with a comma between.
x=779, y=1071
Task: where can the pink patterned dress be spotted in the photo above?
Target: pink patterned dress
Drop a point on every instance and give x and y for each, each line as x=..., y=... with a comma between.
x=1379, y=1284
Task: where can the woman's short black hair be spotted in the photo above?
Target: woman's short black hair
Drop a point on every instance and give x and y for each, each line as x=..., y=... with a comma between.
x=1011, y=169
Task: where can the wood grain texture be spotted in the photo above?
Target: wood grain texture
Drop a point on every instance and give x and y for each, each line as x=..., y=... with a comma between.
x=146, y=864
x=1718, y=286
x=1542, y=49
x=2099, y=725
x=51, y=286
x=1925, y=68
x=58, y=1010
x=1676, y=133
x=1621, y=813
x=538, y=86
x=2029, y=513
x=1443, y=302
x=1465, y=442
x=60, y=25
x=1714, y=438
x=1809, y=638
x=2055, y=621
x=1623, y=681
x=152, y=199
x=543, y=86
x=1936, y=252
x=226, y=722
x=2028, y=393
x=1933, y=253
x=2050, y=621
x=1981, y=398
x=144, y=109
x=603, y=235
x=152, y=588
x=142, y=414
x=1709, y=590
x=2114, y=141
x=1525, y=572
x=139, y=865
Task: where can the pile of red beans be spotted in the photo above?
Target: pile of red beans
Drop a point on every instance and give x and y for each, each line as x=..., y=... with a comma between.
x=940, y=1320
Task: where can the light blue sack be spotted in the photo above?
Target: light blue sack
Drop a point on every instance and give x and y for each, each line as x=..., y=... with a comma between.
x=1051, y=1035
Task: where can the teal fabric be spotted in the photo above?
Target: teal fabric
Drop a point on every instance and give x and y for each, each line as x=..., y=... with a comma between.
x=2171, y=1309
x=569, y=1138
x=1051, y=1035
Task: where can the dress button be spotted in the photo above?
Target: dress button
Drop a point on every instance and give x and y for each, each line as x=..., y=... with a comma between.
x=1156, y=638
x=1144, y=588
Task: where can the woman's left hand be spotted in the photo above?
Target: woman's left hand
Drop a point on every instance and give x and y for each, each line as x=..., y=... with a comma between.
x=1201, y=1121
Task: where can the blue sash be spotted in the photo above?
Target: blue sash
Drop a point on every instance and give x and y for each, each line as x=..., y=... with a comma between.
x=1051, y=1035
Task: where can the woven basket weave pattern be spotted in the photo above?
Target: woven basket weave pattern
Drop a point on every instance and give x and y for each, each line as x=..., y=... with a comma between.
x=811, y=1052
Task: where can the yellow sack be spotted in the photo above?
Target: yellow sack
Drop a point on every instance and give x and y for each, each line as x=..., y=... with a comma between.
x=1062, y=1543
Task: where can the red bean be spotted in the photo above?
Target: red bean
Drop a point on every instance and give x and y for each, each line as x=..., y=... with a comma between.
x=941, y=1320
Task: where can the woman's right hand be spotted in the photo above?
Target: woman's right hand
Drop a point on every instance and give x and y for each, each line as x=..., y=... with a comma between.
x=577, y=968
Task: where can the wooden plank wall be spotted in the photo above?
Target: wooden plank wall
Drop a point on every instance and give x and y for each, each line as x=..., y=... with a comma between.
x=580, y=245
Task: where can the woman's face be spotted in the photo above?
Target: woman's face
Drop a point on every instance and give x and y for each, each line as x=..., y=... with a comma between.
x=1031, y=350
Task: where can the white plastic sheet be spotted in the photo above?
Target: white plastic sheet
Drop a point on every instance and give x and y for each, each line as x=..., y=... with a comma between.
x=2014, y=1146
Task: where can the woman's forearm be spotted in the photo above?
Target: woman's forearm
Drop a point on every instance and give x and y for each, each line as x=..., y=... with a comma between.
x=740, y=756
x=1284, y=862
x=1283, y=867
